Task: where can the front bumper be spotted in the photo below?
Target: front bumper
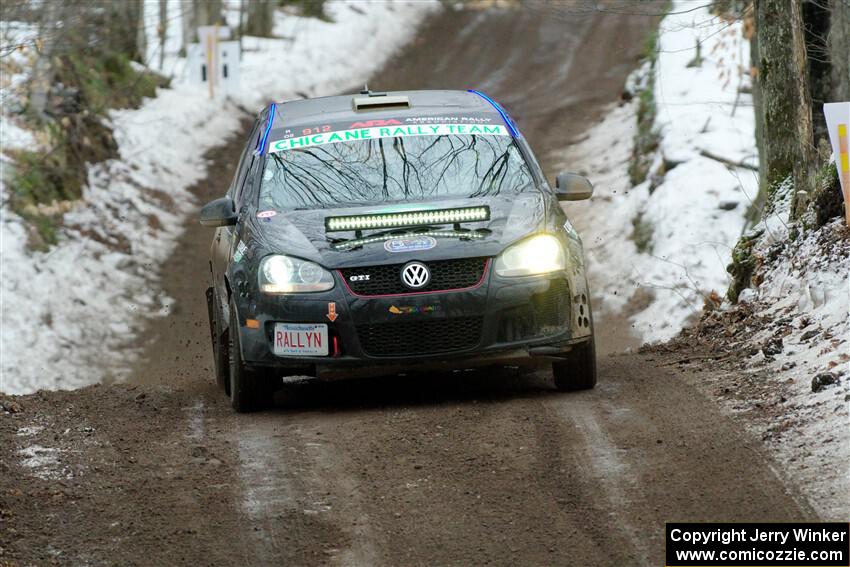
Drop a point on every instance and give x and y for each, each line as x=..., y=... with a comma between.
x=514, y=321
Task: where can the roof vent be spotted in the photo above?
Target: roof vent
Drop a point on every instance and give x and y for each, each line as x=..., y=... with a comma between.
x=377, y=101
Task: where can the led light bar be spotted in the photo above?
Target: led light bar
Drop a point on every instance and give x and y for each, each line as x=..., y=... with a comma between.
x=412, y=218
x=349, y=244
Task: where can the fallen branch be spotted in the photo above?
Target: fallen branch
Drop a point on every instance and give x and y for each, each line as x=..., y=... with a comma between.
x=689, y=359
x=730, y=163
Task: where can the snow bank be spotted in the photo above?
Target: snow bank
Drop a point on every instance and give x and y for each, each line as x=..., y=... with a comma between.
x=690, y=211
x=782, y=357
x=68, y=314
x=802, y=305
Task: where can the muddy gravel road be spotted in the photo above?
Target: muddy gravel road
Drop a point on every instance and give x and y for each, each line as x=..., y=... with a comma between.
x=489, y=467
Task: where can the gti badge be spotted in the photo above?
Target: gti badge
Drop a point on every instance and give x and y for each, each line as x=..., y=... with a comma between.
x=415, y=275
x=359, y=278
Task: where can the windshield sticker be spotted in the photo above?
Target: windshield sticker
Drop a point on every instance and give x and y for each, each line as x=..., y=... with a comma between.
x=435, y=119
x=412, y=244
x=240, y=252
x=266, y=214
x=372, y=123
x=388, y=132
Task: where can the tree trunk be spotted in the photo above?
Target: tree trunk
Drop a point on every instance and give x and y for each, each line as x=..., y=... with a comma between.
x=138, y=22
x=161, y=31
x=42, y=73
x=208, y=12
x=816, y=21
x=187, y=26
x=786, y=102
x=241, y=28
x=199, y=13
x=838, y=46
x=751, y=30
x=124, y=29
x=260, y=18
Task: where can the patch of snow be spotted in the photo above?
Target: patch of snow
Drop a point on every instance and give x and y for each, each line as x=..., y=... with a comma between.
x=44, y=462
x=67, y=314
x=692, y=208
x=13, y=136
x=29, y=431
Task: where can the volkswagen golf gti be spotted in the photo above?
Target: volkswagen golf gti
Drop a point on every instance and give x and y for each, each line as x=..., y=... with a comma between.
x=389, y=233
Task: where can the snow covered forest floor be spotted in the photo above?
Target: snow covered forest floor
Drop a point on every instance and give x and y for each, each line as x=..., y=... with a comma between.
x=67, y=311
x=670, y=236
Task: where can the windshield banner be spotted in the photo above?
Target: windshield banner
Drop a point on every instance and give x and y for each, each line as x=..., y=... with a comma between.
x=375, y=133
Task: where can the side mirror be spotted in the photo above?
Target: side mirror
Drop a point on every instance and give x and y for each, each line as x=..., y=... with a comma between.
x=221, y=212
x=572, y=187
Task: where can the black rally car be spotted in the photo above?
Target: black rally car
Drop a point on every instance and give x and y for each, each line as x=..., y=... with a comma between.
x=393, y=232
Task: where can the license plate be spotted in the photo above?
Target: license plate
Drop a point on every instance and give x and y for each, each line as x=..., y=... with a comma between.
x=295, y=339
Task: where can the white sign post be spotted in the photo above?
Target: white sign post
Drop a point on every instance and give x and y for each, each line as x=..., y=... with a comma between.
x=214, y=62
x=838, y=123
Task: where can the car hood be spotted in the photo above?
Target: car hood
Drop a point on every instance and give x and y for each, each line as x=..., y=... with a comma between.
x=303, y=234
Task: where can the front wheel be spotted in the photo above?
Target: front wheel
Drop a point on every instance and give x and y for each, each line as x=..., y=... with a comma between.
x=247, y=389
x=578, y=369
x=220, y=344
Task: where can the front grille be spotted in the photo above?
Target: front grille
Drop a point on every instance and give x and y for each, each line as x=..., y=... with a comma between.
x=445, y=275
x=433, y=336
x=545, y=314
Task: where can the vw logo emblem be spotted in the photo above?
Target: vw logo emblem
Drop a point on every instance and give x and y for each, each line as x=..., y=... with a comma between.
x=415, y=275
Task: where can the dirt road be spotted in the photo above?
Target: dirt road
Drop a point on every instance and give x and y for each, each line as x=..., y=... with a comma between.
x=466, y=468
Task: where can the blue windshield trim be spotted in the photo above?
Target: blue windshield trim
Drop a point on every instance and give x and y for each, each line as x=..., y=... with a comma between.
x=502, y=113
x=265, y=137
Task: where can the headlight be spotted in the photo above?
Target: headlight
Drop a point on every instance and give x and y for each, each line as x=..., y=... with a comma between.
x=539, y=254
x=284, y=274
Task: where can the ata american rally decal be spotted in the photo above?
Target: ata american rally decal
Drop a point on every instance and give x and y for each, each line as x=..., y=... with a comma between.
x=374, y=133
x=411, y=244
x=413, y=309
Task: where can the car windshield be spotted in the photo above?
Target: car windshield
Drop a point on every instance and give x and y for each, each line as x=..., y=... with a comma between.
x=394, y=169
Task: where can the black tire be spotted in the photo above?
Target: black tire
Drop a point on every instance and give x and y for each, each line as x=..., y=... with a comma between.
x=220, y=344
x=248, y=392
x=578, y=369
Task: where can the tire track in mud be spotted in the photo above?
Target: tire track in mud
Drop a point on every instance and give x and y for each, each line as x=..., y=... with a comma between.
x=294, y=492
